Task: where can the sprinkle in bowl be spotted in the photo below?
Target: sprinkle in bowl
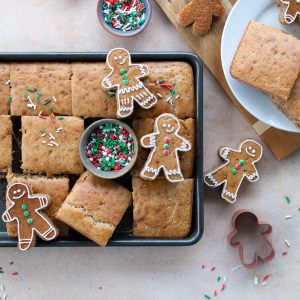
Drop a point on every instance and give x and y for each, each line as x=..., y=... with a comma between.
x=124, y=18
x=108, y=148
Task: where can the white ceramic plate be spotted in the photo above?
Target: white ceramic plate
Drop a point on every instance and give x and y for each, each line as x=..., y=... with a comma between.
x=257, y=103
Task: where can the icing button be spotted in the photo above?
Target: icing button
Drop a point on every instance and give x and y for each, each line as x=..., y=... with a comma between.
x=166, y=152
x=166, y=147
x=29, y=221
x=238, y=166
x=124, y=76
x=242, y=162
x=125, y=81
x=26, y=213
x=167, y=140
x=123, y=71
x=24, y=206
x=234, y=171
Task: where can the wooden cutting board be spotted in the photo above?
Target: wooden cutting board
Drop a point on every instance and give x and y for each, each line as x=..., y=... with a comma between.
x=207, y=47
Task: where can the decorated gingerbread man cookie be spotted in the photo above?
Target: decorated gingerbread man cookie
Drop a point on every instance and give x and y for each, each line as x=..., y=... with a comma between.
x=125, y=78
x=239, y=164
x=165, y=142
x=290, y=11
x=25, y=210
x=200, y=13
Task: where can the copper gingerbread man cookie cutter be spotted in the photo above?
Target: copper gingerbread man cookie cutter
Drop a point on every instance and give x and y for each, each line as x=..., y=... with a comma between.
x=264, y=251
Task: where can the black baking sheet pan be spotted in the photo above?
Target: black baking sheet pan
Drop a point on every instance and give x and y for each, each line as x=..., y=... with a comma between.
x=123, y=234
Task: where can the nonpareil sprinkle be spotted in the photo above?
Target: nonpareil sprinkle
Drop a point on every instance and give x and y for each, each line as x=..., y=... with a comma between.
x=110, y=147
x=124, y=15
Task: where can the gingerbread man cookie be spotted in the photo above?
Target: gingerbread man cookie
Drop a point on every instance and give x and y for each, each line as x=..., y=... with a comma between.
x=290, y=11
x=125, y=78
x=165, y=143
x=239, y=164
x=25, y=210
x=200, y=13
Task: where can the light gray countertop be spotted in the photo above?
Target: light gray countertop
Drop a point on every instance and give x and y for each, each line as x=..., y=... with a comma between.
x=155, y=273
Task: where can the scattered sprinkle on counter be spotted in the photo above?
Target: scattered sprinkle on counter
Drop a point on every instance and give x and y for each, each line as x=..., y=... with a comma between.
x=110, y=148
x=124, y=15
x=287, y=199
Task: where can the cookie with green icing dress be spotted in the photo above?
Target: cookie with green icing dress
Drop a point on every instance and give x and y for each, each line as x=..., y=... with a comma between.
x=164, y=142
x=240, y=164
x=124, y=77
x=26, y=209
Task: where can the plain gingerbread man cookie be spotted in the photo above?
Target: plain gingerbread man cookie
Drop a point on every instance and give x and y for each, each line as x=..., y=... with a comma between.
x=239, y=164
x=165, y=142
x=290, y=11
x=25, y=210
x=125, y=79
x=200, y=13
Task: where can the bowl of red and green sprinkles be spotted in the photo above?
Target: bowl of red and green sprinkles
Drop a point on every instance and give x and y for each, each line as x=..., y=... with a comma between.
x=108, y=148
x=124, y=17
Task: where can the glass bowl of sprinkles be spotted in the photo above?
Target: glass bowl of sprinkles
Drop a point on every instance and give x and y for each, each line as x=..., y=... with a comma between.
x=108, y=148
x=124, y=17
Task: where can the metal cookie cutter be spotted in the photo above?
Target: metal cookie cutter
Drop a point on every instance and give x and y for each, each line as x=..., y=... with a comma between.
x=265, y=252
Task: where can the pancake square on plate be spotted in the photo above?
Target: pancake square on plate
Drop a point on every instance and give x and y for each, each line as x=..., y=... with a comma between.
x=267, y=59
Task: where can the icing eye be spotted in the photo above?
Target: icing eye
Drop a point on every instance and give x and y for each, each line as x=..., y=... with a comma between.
x=165, y=125
x=15, y=192
x=250, y=148
x=169, y=125
x=253, y=151
x=120, y=57
x=115, y=58
x=19, y=191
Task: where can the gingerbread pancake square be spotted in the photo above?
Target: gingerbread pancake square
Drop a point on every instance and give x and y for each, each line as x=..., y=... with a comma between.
x=5, y=143
x=181, y=78
x=267, y=59
x=49, y=87
x=89, y=98
x=57, y=188
x=4, y=89
x=51, y=147
x=142, y=127
x=162, y=209
x=95, y=207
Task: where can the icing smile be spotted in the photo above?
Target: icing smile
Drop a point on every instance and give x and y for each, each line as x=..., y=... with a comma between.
x=123, y=61
x=18, y=197
x=252, y=152
x=170, y=130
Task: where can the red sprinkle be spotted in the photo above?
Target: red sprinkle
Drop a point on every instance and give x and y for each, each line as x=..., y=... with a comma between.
x=222, y=287
x=203, y=267
x=284, y=253
x=266, y=277
x=212, y=269
x=14, y=273
x=11, y=263
x=215, y=293
x=167, y=85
